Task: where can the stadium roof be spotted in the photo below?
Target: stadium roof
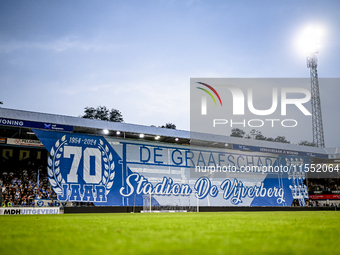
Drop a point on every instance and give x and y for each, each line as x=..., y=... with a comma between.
x=82, y=125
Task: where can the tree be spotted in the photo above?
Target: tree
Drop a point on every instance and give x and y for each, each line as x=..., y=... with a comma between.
x=252, y=133
x=259, y=136
x=236, y=132
x=169, y=126
x=103, y=113
x=247, y=136
x=89, y=113
x=255, y=134
x=306, y=143
x=116, y=116
x=281, y=139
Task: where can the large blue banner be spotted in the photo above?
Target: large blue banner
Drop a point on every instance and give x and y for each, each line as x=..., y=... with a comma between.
x=119, y=172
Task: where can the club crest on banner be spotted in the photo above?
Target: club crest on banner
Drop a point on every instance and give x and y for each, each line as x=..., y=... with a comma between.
x=90, y=165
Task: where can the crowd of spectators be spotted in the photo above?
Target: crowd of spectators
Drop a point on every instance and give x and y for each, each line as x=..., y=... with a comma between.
x=321, y=186
x=21, y=187
x=316, y=203
x=324, y=185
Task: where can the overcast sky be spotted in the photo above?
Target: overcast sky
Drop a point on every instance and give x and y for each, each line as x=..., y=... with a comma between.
x=138, y=56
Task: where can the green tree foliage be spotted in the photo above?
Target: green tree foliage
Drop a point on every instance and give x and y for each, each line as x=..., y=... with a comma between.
x=103, y=113
x=115, y=116
x=257, y=135
x=306, y=143
x=169, y=126
x=281, y=139
x=89, y=113
x=236, y=132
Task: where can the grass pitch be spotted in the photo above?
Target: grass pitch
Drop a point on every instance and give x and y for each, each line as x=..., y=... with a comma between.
x=172, y=233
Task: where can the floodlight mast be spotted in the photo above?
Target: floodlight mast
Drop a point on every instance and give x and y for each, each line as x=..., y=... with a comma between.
x=318, y=135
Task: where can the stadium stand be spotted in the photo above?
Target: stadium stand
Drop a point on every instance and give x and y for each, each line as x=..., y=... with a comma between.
x=324, y=185
x=23, y=156
x=21, y=187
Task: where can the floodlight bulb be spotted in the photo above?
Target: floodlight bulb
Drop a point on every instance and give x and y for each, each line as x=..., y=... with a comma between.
x=309, y=40
x=118, y=133
x=105, y=131
x=141, y=135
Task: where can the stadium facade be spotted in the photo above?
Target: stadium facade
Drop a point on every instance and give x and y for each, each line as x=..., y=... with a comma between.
x=111, y=164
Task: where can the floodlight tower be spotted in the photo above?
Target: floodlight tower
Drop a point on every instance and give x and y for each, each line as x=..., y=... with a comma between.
x=312, y=64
